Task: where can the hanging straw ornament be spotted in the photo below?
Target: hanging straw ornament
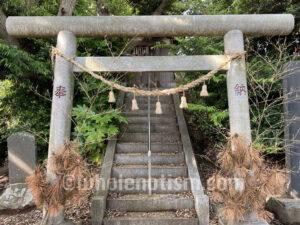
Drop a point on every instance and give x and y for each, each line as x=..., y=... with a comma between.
x=134, y=106
x=183, y=104
x=158, y=109
x=111, y=97
x=204, y=92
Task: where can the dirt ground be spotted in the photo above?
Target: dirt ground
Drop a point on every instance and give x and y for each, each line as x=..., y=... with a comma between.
x=33, y=215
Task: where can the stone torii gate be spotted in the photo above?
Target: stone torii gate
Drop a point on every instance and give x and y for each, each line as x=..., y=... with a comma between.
x=67, y=29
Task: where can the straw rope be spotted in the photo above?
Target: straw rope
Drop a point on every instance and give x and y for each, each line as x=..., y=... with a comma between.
x=156, y=92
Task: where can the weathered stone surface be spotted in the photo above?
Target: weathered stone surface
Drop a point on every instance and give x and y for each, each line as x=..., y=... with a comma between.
x=62, y=102
x=16, y=196
x=249, y=219
x=239, y=117
x=21, y=156
x=287, y=210
x=152, y=64
x=150, y=221
x=133, y=203
x=201, y=199
x=62, y=97
x=166, y=79
x=151, y=26
x=292, y=125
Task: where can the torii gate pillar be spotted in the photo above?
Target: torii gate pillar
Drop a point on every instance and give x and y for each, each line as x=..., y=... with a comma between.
x=239, y=117
x=62, y=102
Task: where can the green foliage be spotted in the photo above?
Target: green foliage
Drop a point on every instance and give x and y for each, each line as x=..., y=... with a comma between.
x=120, y=7
x=211, y=113
x=21, y=109
x=207, y=115
x=17, y=63
x=92, y=129
x=26, y=77
x=95, y=120
x=145, y=7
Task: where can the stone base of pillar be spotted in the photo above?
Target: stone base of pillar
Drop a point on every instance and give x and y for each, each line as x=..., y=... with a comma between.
x=248, y=220
x=16, y=196
x=63, y=222
x=286, y=209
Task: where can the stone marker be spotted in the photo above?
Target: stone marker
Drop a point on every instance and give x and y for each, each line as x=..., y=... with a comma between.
x=21, y=156
x=292, y=118
x=22, y=162
x=288, y=209
x=16, y=196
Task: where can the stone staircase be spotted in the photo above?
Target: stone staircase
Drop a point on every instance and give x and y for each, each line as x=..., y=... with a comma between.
x=126, y=200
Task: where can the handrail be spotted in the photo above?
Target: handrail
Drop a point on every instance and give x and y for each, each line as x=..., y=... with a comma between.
x=149, y=140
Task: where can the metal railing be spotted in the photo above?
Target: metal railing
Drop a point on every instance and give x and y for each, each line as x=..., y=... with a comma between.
x=149, y=140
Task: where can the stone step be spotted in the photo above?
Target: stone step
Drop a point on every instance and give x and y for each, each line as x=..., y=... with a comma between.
x=155, y=137
x=156, y=158
x=159, y=186
x=143, y=147
x=166, y=110
x=153, y=203
x=154, y=119
x=152, y=113
x=155, y=127
x=141, y=171
x=150, y=218
x=144, y=106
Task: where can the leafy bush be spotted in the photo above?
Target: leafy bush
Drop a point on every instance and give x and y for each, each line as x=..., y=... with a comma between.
x=21, y=108
x=93, y=129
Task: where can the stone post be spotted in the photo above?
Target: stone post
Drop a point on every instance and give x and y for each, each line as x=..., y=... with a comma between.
x=292, y=125
x=62, y=102
x=22, y=163
x=166, y=79
x=21, y=156
x=237, y=87
x=287, y=208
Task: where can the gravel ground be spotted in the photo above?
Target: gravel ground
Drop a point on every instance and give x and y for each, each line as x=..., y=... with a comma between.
x=33, y=215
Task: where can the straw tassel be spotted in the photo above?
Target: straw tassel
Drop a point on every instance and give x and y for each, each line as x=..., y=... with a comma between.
x=183, y=104
x=134, y=104
x=111, y=98
x=158, y=109
x=204, y=92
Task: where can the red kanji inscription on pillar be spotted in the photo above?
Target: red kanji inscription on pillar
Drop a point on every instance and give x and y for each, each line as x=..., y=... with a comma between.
x=240, y=90
x=60, y=91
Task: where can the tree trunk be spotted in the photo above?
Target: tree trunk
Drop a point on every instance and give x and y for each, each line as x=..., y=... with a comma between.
x=102, y=10
x=3, y=32
x=159, y=10
x=66, y=7
x=137, y=40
